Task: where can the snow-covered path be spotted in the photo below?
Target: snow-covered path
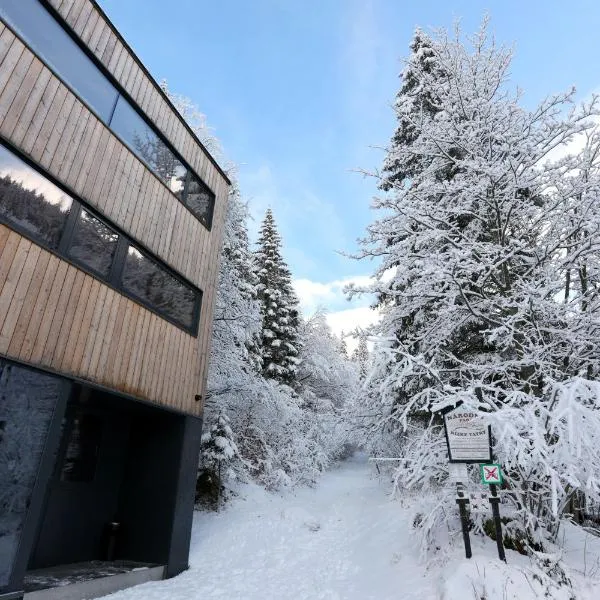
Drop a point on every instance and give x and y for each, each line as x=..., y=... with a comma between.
x=342, y=540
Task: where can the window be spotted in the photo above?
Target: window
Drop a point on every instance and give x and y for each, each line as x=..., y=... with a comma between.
x=146, y=280
x=34, y=206
x=200, y=200
x=136, y=133
x=50, y=41
x=27, y=402
x=46, y=37
x=93, y=243
x=30, y=202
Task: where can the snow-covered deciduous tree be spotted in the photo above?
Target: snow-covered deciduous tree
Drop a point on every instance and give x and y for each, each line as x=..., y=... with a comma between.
x=488, y=243
x=328, y=382
x=196, y=119
x=279, y=306
x=237, y=318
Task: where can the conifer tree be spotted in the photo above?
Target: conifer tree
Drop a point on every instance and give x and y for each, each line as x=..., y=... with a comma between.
x=279, y=306
x=361, y=356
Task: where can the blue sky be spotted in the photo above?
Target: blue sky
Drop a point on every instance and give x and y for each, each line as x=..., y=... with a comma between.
x=299, y=93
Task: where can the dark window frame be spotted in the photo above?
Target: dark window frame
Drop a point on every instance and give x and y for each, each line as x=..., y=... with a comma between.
x=121, y=92
x=113, y=280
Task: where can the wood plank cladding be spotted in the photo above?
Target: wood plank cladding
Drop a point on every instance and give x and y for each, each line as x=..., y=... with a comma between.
x=88, y=22
x=58, y=317
x=51, y=313
x=42, y=117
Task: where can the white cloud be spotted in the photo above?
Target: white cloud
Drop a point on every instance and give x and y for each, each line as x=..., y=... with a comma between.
x=344, y=321
x=330, y=295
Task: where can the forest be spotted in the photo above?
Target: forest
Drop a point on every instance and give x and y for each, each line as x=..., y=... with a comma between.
x=485, y=245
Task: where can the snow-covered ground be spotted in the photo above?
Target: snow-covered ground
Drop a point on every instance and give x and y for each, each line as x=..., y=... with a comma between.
x=343, y=540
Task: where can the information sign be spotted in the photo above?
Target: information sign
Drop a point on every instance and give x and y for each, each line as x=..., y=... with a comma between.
x=467, y=436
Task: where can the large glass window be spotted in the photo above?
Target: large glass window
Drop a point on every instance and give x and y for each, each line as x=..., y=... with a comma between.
x=48, y=39
x=30, y=202
x=93, y=243
x=40, y=210
x=27, y=403
x=140, y=137
x=144, y=278
x=199, y=199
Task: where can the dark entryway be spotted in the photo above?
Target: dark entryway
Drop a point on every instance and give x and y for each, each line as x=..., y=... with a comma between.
x=87, y=475
x=113, y=494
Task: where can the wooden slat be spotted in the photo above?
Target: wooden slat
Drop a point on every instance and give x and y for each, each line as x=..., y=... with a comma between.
x=139, y=341
x=14, y=290
x=104, y=38
x=91, y=32
x=164, y=388
x=114, y=360
x=63, y=7
x=156, y=359
x=71, y=318
x=118, y=50
x=75, y=355
x=129, y=213
x=68, y=294
x=24, y=317
x=40, y=133
x=63, y=161
x=57, y=129
x=115, y=326
x=123, y=194
x=37, y=99
x=95, y=184
x=74, y=12
x=119, y=67
x=91, y=158
x=48, y=313
x=109, y=48
x=17, y=75
x=82, y=19
x=37, y=313
x=93, y=338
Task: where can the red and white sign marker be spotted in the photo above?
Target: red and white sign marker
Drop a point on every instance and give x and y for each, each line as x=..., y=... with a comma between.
x=491, y=474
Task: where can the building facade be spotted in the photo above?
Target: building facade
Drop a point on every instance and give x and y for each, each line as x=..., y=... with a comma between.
x=111, y=217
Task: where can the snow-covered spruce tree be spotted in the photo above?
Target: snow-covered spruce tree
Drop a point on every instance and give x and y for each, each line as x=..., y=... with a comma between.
x=279, y=306
x=361, y=356
x=218, y=450
x=273, y=433
x=480, y=234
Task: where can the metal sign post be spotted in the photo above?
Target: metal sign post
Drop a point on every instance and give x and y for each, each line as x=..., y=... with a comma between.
x=492, y=475
x=469, y=440
x=462, y=501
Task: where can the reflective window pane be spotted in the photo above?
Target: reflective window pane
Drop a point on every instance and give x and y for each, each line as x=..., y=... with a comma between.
x=147, y=280
x=56, y=47
x=200, y=200
x=144, y=142
x=27, y=402
x=31, y=203
x=93, y=243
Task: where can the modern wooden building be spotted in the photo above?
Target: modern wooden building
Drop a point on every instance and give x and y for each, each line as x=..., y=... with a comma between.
x=111, y=217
